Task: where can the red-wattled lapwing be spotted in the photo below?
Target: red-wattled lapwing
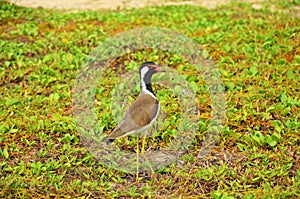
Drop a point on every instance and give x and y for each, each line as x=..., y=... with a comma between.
x=143, y=111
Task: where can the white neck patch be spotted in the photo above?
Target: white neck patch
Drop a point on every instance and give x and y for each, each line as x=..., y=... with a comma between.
x=145, y=91
x=143, y=73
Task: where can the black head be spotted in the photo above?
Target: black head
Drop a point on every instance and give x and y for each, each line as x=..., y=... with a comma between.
x=150, y=68
x=147, y=69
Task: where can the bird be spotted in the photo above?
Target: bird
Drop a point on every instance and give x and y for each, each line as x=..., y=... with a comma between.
x=142, y=113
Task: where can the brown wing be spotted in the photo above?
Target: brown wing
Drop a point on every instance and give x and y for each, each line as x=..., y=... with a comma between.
x=140, y=114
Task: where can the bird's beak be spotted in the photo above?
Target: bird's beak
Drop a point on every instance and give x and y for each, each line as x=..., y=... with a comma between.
x=159, y=69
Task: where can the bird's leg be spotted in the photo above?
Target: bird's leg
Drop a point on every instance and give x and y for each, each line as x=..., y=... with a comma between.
x=137, y=158
x=143, y=152
x=143, y=143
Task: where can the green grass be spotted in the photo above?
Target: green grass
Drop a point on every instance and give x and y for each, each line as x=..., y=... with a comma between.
x=257, y=53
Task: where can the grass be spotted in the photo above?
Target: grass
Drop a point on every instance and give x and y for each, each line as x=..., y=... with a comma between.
x=257, y=53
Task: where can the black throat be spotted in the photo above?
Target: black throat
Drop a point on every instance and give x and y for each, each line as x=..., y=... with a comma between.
x=149, y=88
x=147, y=81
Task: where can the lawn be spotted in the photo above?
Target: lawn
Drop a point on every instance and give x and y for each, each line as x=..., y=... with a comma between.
x=256, y=51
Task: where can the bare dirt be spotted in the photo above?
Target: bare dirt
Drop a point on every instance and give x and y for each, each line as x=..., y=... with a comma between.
x=79, y=5
x=120, y=4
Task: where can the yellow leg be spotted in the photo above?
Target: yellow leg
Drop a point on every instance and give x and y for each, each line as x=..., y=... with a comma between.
x=137, y=158
x=143, y=152
x=143, y=144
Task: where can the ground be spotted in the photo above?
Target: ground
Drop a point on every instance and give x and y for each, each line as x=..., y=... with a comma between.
x=115, y=4
x=257, y=53
x=78, y=5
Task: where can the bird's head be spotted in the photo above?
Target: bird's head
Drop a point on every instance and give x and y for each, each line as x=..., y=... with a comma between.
x=149, y=68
